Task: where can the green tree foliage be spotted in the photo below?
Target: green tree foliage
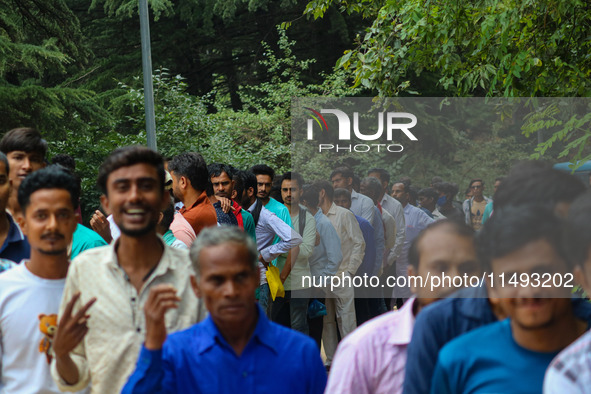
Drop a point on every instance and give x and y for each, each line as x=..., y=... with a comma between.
x=40, y=45
x=215, y=45
x=509, y=48
x=486, y=47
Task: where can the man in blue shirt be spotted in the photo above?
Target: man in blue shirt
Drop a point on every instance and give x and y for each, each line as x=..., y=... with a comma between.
x=13, y=243
x=512, y=355
x=236, y=349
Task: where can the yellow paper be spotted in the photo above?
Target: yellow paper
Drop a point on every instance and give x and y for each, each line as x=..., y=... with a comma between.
x=275, y=285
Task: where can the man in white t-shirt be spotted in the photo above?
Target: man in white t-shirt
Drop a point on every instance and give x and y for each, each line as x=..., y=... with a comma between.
x=31, y=292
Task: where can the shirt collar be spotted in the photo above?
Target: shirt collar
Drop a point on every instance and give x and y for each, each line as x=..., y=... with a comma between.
x=332, y=210
x=404, y=324
x=263, y=334
x=253, y=206
x=15, y=233
x=354, y=194
x=167, y=261
x=202, y=199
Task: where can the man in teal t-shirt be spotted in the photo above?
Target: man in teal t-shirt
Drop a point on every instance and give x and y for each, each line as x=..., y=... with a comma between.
x=512, y=355
x=83, y=239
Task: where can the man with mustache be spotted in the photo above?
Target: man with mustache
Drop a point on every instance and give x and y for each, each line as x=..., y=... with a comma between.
x=30, y=293
x=136, y=271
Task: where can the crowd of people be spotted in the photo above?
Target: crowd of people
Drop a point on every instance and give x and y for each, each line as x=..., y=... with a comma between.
x=209, y=278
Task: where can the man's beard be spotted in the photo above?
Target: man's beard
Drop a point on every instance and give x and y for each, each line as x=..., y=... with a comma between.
x=138, y=232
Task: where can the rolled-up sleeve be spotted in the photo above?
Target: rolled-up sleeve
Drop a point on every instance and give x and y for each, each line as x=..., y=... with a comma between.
x=289, y=238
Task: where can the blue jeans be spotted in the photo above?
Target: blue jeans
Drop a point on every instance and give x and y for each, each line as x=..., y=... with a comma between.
x=264, y=295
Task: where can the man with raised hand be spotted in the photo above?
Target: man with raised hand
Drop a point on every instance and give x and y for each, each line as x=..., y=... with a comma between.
x=236, y=349
x=123, y=277
x=30, y=293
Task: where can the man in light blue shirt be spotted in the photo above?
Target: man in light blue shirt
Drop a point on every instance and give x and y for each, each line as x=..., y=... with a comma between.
x=342, y=178
x=325, y=259
x=267, y=227
x=416, y=220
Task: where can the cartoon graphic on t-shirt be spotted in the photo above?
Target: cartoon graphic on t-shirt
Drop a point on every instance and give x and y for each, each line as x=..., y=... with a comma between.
x=48, y=326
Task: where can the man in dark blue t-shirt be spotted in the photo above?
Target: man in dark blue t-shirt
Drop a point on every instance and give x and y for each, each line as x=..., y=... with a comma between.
x=14, y=244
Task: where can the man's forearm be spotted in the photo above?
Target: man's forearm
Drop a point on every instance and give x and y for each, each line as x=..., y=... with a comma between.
x=67, y=369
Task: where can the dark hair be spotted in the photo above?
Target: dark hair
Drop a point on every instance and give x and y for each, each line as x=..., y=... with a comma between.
x=456, y=227
x=263, y=169
x=413, y=192
x=537, y=185
x=345, y=172
x=4, y=159
x=374, y=186
x=64, y=160
x=192, y=166
x=310, y=195
x=128, y=156
x=25, y=139
x=342, y=193
x=244, y=180
x=513, y=227
x=405, y=183
x=294, y=176
x=447, y=188
x=429, y=192
x=167, y=215
x=577, y=234
x=436, y=179
x=475, y=180
x=384, y=176
x=216, y=169
x=52, y=177
x=327, y=187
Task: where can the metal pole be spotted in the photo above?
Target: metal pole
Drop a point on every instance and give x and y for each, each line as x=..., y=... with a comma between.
x=147, y=71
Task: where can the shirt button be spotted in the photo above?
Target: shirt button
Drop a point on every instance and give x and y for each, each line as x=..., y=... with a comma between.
x=138, y=329
x=132, y=299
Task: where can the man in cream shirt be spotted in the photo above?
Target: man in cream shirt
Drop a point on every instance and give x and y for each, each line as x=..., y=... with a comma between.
x=101, y=320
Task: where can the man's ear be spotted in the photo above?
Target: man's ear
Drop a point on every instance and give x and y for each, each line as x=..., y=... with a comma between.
x=22, y=223
x=184, y=182
x=195, y=286
x=105, y=204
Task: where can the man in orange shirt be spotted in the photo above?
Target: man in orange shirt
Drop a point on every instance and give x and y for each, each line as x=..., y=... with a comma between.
x=189, y=182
